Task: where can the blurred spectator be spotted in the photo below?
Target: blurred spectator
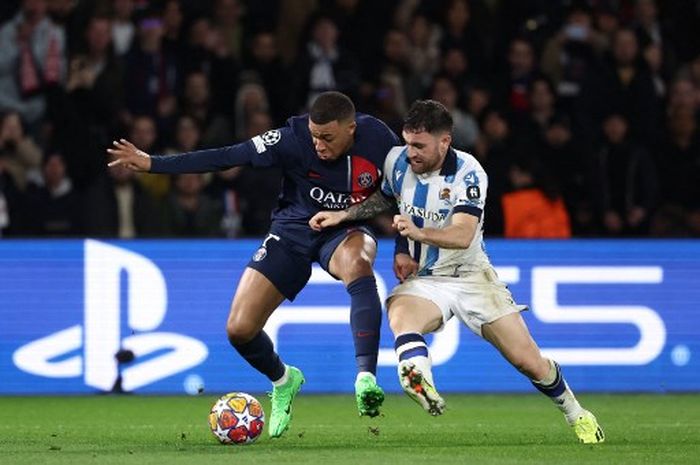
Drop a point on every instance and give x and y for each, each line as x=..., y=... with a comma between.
x=144, y=135
x=456, y=66
x=87, y=113
x=123, y=28
x=623, y=181
x=227, y=19
x=188, y=212
x=21, y=156
x=152, y=73
x=478, y=100
x=678, y=161
x=572, y=53
x=424, y=52
x=460, y=33
x=188, y=135
x=654, y=59
x=248, y=195
x=465, y=130
x=323, y=65
x=94, y=85
x=266, y=62
x=32, y=60
x=251, y=98
x=12, y=207
x=624, y=85
x=173, y=19
x=494, y=149
x=370, y=17
x=606, y=23
x=206, y=52
x=72, y=17
x=563, y=169
x=289, y=32
x=197, y=102
x=650, y=30
x=54, y=208
x=388, y=105
x=533, y=210
x=683, y=95
x=543, y=106
x=396, y=68
x=512, y=87
x=117, y=206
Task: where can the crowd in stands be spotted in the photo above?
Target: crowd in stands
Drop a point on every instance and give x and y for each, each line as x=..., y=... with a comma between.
x=584, y=113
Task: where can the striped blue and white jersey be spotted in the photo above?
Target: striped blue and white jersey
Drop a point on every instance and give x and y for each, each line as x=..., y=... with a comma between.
x=431, y=199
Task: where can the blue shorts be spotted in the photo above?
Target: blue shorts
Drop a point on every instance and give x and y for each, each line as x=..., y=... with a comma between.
x=287, y=253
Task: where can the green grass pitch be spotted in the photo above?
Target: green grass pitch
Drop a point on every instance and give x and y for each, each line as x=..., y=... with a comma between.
x=478, y=429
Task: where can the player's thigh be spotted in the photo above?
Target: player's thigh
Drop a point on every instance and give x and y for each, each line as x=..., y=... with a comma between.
x=353, y=257
x=255, y=300
x=510, y=335
x=413, y=314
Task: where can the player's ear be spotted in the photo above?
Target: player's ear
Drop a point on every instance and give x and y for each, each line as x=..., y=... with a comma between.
x=351, y=127
x=445, y=141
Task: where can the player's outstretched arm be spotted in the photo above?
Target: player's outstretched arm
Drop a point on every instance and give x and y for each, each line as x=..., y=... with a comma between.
x=126, y=154
x=369, y=208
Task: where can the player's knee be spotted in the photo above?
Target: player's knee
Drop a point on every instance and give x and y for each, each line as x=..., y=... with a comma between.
x=528, y=365
x=240, y=332
x=354, y=268
x=398, y=322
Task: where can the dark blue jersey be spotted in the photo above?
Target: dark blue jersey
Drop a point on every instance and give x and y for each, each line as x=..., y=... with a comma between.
x=309, y=184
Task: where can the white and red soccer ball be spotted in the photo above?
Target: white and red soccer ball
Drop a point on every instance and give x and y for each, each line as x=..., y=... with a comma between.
x=237, y=418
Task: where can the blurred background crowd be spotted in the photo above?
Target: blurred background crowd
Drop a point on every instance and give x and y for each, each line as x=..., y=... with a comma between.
x=583, y=113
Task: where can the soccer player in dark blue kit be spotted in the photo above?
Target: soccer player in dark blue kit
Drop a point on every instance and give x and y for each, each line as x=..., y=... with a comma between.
x=330, y=159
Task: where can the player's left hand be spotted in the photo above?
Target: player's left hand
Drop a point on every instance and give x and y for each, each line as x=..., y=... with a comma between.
x=404, y=266
x=405, y=226
x=326, y=219
x=126, y=154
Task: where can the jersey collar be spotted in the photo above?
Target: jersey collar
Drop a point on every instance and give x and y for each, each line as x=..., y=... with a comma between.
x=449, y=166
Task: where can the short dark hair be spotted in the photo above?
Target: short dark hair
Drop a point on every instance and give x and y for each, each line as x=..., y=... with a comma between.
x=429, y=116
x=331, y=106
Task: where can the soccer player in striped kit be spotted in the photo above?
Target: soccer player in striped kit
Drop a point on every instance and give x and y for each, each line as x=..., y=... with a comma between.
x=443, y=268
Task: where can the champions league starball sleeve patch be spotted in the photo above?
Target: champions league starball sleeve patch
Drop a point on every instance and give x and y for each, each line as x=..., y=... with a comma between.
x=267, y=139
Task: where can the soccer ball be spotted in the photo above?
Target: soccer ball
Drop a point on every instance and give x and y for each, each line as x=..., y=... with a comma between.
x=236, y=418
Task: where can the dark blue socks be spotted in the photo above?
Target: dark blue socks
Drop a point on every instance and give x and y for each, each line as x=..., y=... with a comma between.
x=261, y=355
x=365, y=321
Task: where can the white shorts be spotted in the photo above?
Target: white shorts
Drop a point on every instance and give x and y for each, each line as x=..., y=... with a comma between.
x=475, y=299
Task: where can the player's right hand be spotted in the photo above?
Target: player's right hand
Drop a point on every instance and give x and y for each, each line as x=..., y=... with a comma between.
x=404, y=266
x=126, y=154
x=326, y=219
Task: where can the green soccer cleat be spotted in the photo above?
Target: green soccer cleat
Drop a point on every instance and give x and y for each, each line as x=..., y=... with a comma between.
x=419, y=389
x=369, y=395
x=282, y=398
x=587, y=429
